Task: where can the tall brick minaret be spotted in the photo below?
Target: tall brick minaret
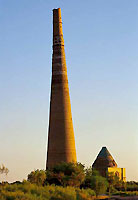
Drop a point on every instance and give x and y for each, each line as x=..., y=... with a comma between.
x=61, y=142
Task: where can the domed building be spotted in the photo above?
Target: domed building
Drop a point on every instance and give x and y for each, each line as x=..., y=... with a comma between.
x=105, y=164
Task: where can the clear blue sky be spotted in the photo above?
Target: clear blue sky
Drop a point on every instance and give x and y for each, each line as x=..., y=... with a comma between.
x=101, y=43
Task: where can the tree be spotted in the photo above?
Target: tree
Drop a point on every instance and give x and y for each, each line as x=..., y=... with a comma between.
x=94, y=181
x=88, y=176
x=115, y=183
x=132, y=186
x=38, y=177
x=66, y=174
x=3, y=170
x=99, y=184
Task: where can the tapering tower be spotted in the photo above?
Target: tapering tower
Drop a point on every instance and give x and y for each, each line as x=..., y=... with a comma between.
x=61, y=142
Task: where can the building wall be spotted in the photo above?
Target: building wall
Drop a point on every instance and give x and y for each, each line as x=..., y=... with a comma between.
x=120, y=172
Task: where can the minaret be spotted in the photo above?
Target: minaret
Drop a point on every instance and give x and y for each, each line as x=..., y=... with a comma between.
x=61, y=142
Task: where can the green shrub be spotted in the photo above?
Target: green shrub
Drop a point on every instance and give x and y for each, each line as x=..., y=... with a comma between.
x=66, y=174
x=28, y=191
x=85, y=194
x=132, y=186
x=122, y=193
x=94, y=181
x=38, y=177
x=61, y=193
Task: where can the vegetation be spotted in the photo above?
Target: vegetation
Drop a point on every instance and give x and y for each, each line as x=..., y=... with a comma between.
x=96, y=182
x=65, y=181
x=66, y=174
x=125, y=193
x=132, y=186
x=28, y=191
x=3, y=170
x=38, y=177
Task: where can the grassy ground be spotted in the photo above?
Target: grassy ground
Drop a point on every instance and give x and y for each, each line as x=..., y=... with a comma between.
x=28, y=191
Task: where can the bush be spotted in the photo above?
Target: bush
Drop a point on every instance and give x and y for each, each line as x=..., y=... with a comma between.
x=38, y=177
x=28, y=191
x=94, y=181
x=132, y=186
x=122, y=193
x=3, y=170
x=61, y=193
x=66, y=174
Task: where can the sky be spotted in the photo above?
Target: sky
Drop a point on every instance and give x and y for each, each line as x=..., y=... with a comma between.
x=101, y=45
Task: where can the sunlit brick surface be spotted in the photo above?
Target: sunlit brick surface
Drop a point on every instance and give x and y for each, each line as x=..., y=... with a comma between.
x=61, y=142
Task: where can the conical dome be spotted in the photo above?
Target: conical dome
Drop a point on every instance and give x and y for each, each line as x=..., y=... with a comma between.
x=103, y=161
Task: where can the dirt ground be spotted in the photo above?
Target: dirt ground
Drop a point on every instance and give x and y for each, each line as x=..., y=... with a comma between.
x=118, y=198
